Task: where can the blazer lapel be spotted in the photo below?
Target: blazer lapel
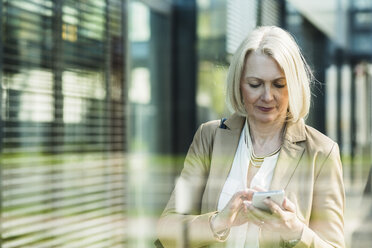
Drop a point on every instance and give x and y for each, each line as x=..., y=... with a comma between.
x=289, y=158
x=224, y=149
x=290, y=155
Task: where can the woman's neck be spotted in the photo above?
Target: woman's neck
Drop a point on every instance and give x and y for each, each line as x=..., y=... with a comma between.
x=266, y=137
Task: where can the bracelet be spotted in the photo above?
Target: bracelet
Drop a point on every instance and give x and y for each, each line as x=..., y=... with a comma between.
x=220, y=236
x=290, y=243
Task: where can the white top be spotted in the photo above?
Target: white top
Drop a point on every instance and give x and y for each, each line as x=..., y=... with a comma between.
x=246, y=235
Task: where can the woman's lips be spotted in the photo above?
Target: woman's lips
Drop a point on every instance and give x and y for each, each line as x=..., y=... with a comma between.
x=265, y=109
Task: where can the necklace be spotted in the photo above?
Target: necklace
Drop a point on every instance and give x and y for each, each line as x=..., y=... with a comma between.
x=257, y=161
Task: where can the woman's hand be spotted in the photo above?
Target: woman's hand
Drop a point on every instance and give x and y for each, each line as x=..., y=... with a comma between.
x=235, y=212
x=282, y=219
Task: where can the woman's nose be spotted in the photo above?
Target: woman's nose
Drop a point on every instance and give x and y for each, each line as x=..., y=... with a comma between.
x=267, y=94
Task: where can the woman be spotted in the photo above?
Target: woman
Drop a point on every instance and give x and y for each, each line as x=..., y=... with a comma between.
x=264, y=145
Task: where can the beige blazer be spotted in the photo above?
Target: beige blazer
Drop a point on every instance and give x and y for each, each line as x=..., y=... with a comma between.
x=308, y=169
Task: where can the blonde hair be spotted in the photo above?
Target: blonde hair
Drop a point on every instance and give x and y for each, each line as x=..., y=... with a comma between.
x=281, y=46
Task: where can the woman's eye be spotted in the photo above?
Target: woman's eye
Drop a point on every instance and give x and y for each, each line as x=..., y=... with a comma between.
x=254, y=85
x=279, y=85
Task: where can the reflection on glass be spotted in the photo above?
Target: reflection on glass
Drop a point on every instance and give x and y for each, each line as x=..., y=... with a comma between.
x=362, y=42
x=346, y=110
x=69, y=32
x=62, y=156
x=35, y=107
x=241, y=19
x=362, y=4
x=28, y=96
x=70, y=15
x=211, y=87
x=78, y=88
x=363, y=19
x=36, y=7
x=73, y=109
x=139, y=17
x=331, y=102
x=140, y=89
x=212, y=24
x=83, y=84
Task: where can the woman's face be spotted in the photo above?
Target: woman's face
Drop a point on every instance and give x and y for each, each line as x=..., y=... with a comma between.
x=264, y=89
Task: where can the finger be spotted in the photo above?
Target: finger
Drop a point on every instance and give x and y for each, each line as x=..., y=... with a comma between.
x=259, y=214
x=247, y=204
x=240, y=203
x=252, y=216
x=238, y=194
x=242, y=214
x=288, y=205
x=274, y=207
x=259, y=188
x=243, y=194
x=249, y=194
x=259, y=218
x=237, y=199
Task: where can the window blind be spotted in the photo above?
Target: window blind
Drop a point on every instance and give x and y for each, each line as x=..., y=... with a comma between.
x=241, y=19
x=63, y=124
x=270, y=12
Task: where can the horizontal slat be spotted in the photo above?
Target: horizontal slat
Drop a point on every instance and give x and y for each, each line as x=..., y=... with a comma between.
x=71, y=137
x=66, y=162
x=86, y=24
x=37, y=197
x=83, y=239
x=77, y=237
x=13, y=178
x=29, y=81
x=66, y=207
x=59, y=219
x=62, y=224
x=30, y=25
x=87, y=59
x=71, y=207
x=31, y=5
x=23, y=143
x=87, y=229
x=62, y=148
x=100, y=127
x=66, y=195
x=97, y=120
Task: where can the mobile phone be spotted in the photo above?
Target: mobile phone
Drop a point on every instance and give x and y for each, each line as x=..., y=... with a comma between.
x=275, y=195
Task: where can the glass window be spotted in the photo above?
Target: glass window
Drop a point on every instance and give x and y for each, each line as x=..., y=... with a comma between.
x=63, y=133
x=362, y=4
x=363, y=20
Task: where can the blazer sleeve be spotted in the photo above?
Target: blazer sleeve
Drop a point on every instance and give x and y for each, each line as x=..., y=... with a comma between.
x=326, y=227
x=194, y=176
